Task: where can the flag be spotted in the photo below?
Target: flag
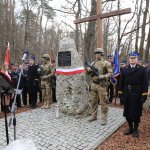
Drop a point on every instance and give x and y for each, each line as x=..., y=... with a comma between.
x=116, y=68
x=70, y=71
x=7, y=54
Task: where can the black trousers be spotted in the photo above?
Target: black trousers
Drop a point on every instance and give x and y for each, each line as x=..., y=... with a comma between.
x=33, y=99
x=133, y=124
x=110, y=91
x=40, y=96
x=54, y=94
x=24, y=95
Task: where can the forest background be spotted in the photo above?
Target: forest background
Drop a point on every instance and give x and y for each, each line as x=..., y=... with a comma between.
x=39, y=25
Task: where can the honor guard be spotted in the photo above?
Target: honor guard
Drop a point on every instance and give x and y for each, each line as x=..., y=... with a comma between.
x=133, y=90
x=99, y=85
x=48, y=72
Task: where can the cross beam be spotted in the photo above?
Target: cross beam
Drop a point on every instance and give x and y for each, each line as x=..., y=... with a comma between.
x=104, y=15
x=99, y=16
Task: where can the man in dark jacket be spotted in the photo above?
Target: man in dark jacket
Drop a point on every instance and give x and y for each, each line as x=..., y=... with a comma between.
x=32, y=82
x=15, y=78
x=133, y=89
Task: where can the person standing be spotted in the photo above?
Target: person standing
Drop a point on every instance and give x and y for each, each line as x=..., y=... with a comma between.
x=110, y=88
x=133, y=90
x=99, y=85
x=5, y=105
x=14, y=73
x=24, y=83
x=46, y=83
x=32, y=82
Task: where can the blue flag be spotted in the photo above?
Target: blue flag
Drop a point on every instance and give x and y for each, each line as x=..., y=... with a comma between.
x=116, y=68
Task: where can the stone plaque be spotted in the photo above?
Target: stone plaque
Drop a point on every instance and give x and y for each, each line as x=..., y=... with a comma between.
x=64, y=58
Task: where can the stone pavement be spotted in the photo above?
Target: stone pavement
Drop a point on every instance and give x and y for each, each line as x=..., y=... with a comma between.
x=63, y=133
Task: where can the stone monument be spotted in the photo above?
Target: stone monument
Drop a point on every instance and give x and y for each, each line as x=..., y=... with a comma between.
x=71, y=93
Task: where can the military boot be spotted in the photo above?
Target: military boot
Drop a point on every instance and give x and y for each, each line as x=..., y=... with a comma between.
x=103, y=122
x=43, y=107
x=47, y=106
x=92, y=119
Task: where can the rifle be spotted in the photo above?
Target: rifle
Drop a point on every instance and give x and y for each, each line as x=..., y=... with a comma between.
x=95, y=71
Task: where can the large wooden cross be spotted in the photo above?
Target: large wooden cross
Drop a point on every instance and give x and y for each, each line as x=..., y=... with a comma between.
x=99, y=16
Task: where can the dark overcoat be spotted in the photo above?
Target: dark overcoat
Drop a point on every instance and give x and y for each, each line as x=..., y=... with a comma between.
x=133, y=85
x=33, y=79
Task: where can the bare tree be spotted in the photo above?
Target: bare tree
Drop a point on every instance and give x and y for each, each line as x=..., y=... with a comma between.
x=141, y=48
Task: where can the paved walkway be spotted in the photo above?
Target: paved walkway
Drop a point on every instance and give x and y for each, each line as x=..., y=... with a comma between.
x=63, y=133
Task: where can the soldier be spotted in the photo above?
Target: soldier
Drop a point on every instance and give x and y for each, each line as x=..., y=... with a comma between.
x=32, y=82
x=133, y=89
x=45, y=83
x=99, y=86
x=110, y=88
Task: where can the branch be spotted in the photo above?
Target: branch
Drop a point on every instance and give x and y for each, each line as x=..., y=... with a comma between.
x=107, y=1
x=135, y=29
x=68, y=25
x=63, y=11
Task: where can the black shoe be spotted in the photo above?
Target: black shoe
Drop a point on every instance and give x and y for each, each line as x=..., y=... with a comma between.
x=128, y=131
x=33, y=107
x=135, y=133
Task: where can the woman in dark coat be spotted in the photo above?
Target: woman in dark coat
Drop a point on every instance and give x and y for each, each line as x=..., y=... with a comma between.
x=133, y=89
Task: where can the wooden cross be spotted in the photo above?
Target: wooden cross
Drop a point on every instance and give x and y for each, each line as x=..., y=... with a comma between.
x=99, y=16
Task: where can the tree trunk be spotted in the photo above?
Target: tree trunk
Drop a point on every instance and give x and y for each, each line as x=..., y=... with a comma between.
x=143, y=29
x=26, y=44
x=77, y=26
x=147, y=51
x=105, y=41
x=90, y=41
x=138, y=25
x=119, y=28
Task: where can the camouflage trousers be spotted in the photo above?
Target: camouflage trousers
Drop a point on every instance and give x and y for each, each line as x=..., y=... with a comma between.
x=46, y=93
x=98, y=94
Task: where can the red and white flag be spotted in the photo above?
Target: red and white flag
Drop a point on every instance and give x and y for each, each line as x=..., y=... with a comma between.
x=70, y=71
x=7, y=54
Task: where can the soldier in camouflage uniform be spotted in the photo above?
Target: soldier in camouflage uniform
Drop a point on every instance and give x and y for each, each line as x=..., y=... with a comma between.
x=99, y=85
x=45, y=82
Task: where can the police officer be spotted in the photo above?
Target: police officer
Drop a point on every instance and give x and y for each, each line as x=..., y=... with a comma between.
x=99, y=86
x=45, y=82
x=133, y=89
x=32, y=82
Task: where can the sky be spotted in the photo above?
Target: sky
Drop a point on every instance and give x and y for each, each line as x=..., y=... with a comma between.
x=56, y=4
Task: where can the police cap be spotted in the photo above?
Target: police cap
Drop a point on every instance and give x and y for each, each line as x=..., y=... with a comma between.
x=135, y=54
x=98, y=50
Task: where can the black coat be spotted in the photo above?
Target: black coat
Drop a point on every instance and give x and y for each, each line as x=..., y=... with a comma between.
x=133, y=85
x=33, y=79
x=14, y=78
